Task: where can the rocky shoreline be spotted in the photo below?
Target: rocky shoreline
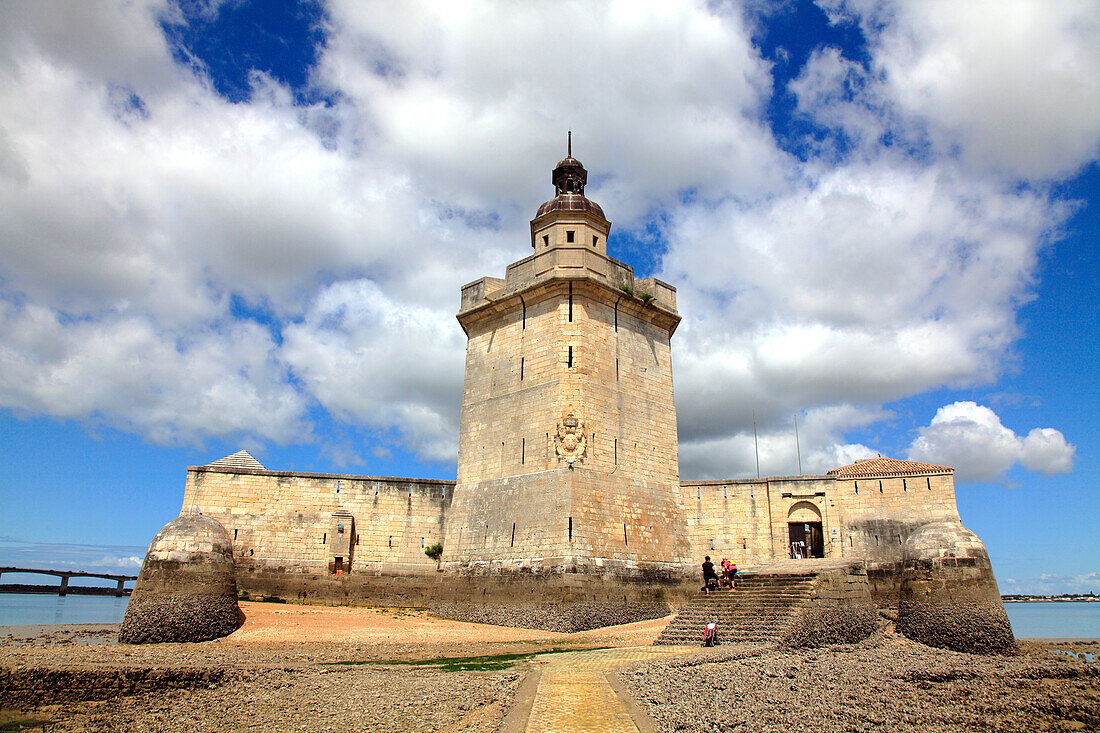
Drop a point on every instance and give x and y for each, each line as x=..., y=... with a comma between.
x=372, y=670
x=884, y=683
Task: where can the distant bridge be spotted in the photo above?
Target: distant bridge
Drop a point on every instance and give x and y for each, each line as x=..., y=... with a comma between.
x=66, y=574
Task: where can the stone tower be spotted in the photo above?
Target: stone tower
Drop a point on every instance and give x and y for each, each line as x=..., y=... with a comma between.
x=567, y=455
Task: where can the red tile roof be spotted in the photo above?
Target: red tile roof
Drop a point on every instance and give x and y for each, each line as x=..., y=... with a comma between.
x=885, y=467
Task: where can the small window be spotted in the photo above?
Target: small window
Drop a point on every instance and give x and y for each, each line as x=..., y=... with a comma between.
x=545, y=240
x=340, y=528
x=521, y=368
x=595, y=240
x=234, y=535
x=569, y=237
x=569, y=358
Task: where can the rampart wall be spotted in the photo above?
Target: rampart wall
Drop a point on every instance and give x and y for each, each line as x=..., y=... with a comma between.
x=345, y=538
x=302, y=522
x=747, y=520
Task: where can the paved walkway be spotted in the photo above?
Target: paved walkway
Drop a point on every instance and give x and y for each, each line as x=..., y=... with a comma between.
x=574, y=694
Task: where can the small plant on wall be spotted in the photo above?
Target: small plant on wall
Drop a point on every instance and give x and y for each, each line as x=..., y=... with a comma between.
x=434, y=551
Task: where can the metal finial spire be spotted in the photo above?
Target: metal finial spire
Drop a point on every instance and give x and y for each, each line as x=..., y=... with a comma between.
x=569, y=145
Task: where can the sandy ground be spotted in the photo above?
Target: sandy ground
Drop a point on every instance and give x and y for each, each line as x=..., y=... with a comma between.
x=315, y=668
x=277, y=623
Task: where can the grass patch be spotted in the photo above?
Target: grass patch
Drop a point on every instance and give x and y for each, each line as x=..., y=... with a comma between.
x=27, y=724
x=489, y=663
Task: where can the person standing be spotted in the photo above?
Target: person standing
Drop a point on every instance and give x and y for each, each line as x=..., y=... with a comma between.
x=710, y=578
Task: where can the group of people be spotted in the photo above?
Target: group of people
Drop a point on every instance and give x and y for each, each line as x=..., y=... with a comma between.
x=711, y=579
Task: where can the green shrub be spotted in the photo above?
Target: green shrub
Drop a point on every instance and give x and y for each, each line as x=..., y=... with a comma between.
x=435, y=551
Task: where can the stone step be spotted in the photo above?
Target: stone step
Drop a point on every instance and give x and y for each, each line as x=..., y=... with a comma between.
x=754, y=602
x=749, y=616
x=758, y=609
x=750, y=595
x=731, y=623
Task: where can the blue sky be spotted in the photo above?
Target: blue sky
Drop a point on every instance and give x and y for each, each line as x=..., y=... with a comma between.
x=233, y=224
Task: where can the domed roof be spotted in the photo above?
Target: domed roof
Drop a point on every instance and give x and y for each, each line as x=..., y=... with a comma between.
x=568, y=160
x=569, y=178
x=571, y=202
x=940, y=540
x=191, y=536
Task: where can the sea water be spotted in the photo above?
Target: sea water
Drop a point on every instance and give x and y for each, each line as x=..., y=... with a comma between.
x=1060, y=620
x=27, y=609
x=1069, y=620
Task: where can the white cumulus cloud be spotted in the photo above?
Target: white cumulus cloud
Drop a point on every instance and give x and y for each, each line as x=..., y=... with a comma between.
x=370, y=359
x=186, y=267
x=1012, y=85
x=971, y=438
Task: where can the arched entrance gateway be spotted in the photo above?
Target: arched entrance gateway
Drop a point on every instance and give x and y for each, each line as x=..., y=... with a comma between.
x=806, y=537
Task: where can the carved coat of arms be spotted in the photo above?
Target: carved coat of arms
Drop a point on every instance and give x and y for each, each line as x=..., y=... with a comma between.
x=572, y=444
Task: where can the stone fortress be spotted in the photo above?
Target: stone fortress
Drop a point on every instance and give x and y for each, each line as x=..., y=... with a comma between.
x=568, y=511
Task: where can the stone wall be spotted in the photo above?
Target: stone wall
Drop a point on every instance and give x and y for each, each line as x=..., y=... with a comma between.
x=840, y=610
x=288, y=529
x=869, y=518
x=879, y=513
x=551, y=601
x=567, y=347
x=570, y=520
x=746, y=519
x=544, y=350
x=301, y=522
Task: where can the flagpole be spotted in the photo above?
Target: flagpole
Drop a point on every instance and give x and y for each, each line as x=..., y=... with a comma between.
x=756, y=443
x=797, y=447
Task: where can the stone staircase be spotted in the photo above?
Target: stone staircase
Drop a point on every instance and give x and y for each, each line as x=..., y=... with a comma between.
x=760, y=608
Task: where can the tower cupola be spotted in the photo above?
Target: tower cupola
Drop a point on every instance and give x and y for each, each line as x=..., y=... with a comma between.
x=569, y=204
x=569, y=175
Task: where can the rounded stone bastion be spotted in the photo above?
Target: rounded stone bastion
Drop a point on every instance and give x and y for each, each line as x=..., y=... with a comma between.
x=186, y=590
x=949, y=597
